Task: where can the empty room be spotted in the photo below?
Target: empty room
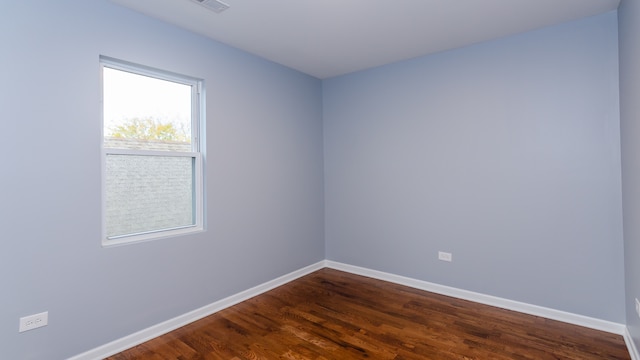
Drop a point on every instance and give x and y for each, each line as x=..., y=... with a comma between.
x=245, y=179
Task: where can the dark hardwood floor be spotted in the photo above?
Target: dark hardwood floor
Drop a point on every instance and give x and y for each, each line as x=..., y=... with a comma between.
x=335, y=315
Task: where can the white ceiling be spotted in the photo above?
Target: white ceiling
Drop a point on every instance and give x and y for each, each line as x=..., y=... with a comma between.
x=328, y=38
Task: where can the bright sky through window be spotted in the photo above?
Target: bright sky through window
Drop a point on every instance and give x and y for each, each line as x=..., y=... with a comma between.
x=128, y=96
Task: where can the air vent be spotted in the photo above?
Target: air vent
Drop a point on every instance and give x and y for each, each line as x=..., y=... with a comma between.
x=213, y=5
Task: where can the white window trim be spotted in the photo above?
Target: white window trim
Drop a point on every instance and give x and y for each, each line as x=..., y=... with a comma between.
x=197, y=123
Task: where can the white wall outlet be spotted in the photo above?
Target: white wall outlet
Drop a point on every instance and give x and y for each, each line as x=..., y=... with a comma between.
x=444, y=256
x=33, y=321
x=637, y=307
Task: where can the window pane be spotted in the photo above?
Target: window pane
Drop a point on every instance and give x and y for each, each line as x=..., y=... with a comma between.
x=142, y=112
x=148, y=193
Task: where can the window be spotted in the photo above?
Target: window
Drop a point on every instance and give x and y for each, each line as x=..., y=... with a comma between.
x=152, y=165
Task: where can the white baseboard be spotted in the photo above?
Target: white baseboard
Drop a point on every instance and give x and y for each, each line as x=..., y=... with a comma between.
x=631, y=346
x=149, y=333
x=548, y=313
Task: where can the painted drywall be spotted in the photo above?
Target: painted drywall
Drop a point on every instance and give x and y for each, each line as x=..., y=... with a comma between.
x=264, y=178
x=629, y=43
x=505, y=154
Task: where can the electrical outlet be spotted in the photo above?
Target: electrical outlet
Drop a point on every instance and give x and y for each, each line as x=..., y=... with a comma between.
x=637, y=307
x=445, y=256
x=33, y=321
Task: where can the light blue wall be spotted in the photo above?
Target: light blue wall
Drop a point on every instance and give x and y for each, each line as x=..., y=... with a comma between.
x=629, y=36
x=263, y=165
x=506, y=154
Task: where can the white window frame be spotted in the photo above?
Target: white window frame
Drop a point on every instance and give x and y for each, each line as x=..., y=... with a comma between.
x=197, y=101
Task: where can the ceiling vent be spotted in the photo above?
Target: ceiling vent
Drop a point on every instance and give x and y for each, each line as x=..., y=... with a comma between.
x=214, y=5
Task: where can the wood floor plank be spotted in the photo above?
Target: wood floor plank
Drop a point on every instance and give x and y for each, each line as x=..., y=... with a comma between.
x=335, y=315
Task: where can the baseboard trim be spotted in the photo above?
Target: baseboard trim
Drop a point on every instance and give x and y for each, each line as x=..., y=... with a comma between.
x=631, y=346
x=154, y=331
x=548, y=313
